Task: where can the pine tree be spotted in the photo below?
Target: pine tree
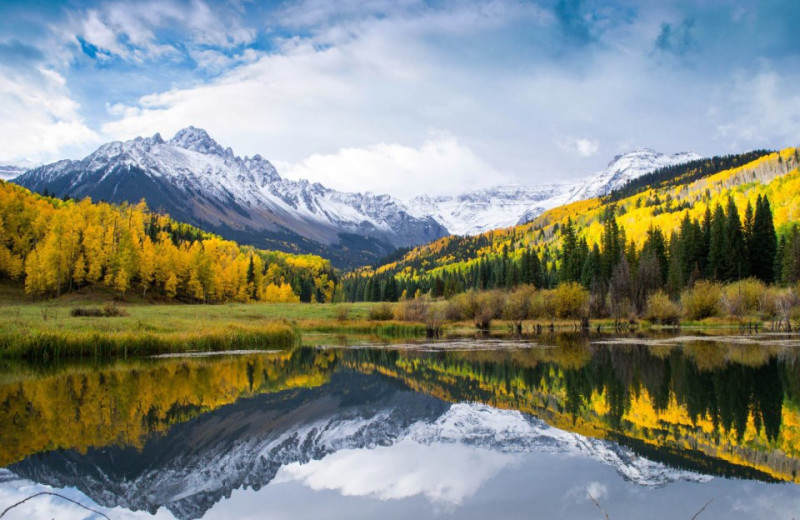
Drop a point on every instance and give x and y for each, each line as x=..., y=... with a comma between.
x=613, y=243
x=764, y=244
x=656, y=244
x=747, y=225
x=717, y=260
x=569, y=253
x=704, y=246
x=251, y=271
x=675, y=272
x=738, y=266
x=390, y=293
x=790, y=246
x=590, y=274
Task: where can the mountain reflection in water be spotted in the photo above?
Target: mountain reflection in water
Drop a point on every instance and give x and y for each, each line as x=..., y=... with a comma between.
x=389, y=424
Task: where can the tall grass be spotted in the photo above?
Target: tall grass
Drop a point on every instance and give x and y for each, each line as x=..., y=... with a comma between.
x=51, y=345
x=389, y=329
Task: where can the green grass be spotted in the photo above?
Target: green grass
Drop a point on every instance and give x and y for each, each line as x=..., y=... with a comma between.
x=45, y=330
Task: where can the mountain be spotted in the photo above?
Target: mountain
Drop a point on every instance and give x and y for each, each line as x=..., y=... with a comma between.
x=196, y=180
x=248, y=443
x=662, y=200
x=479, y=211
x=624, y=168
x=9, y=170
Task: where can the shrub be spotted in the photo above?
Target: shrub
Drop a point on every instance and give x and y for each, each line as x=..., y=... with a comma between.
x=660, y=309
x=108, y=310
x=541, y=305
x=415, y=309
x=382, y=312
x=434, y=320
x=518, y=305
x=743, y=297
x=111, y=309
x=342, y=312
x=93, y=312
x=702, y=300
x=570, y=300
x=480, y=307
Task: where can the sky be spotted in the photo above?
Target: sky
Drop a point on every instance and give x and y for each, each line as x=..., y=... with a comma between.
x=445, y=96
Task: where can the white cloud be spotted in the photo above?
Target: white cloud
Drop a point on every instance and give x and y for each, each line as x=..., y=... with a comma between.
x=443, y=473
x=762, y=109
x=597, y=490
x=38, y=118
x=441, y=165
x=128, y=30
x=580, y=146
x=497, y=76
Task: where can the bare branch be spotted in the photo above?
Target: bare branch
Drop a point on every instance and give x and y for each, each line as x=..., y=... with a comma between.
x=702, y=509
x=12, y=506
x=598, y=505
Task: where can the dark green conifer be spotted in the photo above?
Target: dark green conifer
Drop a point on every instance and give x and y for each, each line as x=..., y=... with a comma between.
x=737, y=266
x=717, y=260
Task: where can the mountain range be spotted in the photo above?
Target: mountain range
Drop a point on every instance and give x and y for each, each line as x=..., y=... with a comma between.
x=194, y=179
x=479, y=211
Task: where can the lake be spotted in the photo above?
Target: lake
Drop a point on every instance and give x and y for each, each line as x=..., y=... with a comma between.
x=562, y=426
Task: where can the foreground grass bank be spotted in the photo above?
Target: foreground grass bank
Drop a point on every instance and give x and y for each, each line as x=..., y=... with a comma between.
x=78, y=325
x=49, y=329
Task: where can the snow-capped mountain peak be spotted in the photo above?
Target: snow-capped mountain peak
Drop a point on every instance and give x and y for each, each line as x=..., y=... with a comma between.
x=626, y=167
x=196, y=180
x=196, y=140
x=479, y=211
x=193, y=178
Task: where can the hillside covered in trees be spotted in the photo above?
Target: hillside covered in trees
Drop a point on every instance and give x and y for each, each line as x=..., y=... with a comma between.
x=704, y=221
x=55, y=246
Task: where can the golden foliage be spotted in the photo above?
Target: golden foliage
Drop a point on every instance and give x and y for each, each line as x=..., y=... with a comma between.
x=58, y=246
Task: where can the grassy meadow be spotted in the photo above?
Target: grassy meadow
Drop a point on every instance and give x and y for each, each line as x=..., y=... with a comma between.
x=50, y=329
x=47, y=329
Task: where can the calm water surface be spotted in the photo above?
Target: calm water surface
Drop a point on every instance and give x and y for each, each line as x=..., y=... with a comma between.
x=648, y=427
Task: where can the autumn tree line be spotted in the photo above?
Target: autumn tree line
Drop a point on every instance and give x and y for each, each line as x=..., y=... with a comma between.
x=619, y=276
x=57, y=246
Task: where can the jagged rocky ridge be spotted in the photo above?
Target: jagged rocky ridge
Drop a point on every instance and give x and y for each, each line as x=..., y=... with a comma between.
x=196, y=180
x=245, y=444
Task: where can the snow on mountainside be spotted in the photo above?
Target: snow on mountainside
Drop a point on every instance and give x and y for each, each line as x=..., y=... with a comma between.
x=624, y=168
x=478, y=211
x=250, y=443
x=195, y=179
x=504, y=206
x=10, y=170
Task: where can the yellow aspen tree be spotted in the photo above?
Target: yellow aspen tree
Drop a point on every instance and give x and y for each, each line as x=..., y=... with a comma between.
x=195, y=287
x=287, y=295
x=147, y=265
x=79, y=271
x=272, y=293
x=171, y=286
x=122, y=281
